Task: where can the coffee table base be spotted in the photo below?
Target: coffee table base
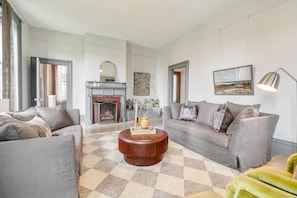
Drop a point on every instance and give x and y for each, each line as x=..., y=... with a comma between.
x=143, y=149
x=144, y=161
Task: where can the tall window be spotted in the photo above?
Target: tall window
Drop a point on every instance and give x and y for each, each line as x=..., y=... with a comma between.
x=61, y=79
x=15, y=62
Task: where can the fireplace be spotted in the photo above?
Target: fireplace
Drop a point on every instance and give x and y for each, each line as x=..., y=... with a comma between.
x=105, y=102
x=106, y=109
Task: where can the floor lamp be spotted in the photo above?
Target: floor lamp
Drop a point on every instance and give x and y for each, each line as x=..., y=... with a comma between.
x=270, y=83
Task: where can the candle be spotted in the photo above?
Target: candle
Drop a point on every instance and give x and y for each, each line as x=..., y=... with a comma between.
x=136, y=108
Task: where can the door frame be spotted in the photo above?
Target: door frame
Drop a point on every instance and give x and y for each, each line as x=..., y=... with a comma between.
x=35, y=67
x=171, y=68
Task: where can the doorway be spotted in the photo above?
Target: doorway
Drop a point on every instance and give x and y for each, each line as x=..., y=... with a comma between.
x=178, y=76
x=51, y=82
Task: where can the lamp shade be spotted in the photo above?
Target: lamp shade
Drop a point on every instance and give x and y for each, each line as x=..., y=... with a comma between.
x=269, y=82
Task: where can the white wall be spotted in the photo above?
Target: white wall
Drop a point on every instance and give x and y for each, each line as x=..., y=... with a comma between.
x=62, y=46
x=87, y=53
x=98, y=49
x=140, y=59
x=262, y=33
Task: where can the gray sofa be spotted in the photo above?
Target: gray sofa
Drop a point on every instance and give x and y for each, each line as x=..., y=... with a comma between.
x=245, y=144
x=41, y=166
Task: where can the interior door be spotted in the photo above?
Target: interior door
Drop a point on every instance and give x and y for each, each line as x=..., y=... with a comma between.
x=178, y=82
x=51, y=82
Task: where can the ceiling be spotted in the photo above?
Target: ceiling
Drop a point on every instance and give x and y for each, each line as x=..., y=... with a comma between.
x=148, y=23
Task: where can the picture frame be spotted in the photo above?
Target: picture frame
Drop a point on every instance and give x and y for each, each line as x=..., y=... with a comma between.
x=141, y=84
x=234, y=81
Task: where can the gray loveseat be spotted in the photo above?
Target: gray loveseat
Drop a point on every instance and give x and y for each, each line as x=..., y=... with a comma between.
x=245, y=143
x=41, y=166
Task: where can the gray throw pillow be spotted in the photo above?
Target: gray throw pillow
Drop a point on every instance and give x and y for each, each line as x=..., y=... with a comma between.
x=235, y=109
x=188, y=113
x=175, y=109
x=15, y=131
x=206, y=113
x=55, y=117
x=222, y=119
x=246, y=113
x=25, y=115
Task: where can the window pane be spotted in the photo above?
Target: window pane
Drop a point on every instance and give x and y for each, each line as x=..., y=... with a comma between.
x=61, y=83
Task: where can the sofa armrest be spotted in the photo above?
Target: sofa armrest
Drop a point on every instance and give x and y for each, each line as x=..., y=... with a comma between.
x=292, y=163
x=244, y=186
x=39, y=167
x=167, y=113
x=253, y=135
x=275, y=177
x=74, y=114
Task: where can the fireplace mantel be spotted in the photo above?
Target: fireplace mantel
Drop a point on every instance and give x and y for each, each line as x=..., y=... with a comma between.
x=105, y=90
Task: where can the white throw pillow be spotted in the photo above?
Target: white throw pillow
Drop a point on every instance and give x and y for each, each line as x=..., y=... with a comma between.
x=40, y=127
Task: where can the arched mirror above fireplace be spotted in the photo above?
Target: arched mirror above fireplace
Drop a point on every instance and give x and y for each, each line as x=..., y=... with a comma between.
x=107, y=72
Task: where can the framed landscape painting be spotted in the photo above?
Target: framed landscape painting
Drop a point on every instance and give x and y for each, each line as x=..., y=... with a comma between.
x=234, y=81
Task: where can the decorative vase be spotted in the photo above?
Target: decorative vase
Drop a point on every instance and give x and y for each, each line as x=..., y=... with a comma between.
x=144, y=123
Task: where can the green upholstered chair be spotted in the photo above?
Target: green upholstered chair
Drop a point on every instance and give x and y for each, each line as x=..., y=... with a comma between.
x=266, y=182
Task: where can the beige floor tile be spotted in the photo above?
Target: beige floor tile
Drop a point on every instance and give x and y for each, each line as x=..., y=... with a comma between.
x=123, y=171
x=95, y=194
x=196, y=175
x=90, y=160
x=174, y=159
x=134, y=189
x=92, y=178
x=172, y=185
x=89, y=148
x=218, y=168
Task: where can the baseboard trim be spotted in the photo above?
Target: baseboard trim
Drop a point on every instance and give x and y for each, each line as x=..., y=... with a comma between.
x=283, y=147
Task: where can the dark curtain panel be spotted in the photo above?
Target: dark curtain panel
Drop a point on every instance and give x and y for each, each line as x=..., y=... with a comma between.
x=7, y=14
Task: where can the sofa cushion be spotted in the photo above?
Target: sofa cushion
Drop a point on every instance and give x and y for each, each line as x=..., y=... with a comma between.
x=235, y=109
x=206, y=113
x=175, y=109
x=16, y=130
x=194, y=103
x=25, y=115
x=188, y=113
x=201, y=131
x=246, y=113
x=40, y=127
x=222, y=119
x=55, y=117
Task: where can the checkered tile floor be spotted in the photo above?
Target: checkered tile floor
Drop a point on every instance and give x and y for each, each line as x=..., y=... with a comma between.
x=182, y=172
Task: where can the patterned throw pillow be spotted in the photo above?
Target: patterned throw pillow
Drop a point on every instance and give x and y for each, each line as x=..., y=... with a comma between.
x=188, y=113
x=40, y=127
x=222, y=119
x=295, y=174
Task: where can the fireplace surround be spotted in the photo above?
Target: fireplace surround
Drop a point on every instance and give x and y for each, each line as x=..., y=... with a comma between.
x=105, y=102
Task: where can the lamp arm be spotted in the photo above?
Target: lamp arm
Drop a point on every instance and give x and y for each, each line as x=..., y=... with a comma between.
x=287, y=73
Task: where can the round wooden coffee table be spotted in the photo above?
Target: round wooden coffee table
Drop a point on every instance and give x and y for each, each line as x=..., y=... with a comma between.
x=145, y=149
